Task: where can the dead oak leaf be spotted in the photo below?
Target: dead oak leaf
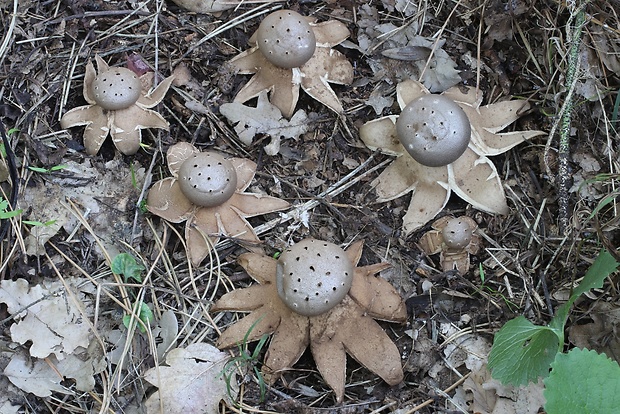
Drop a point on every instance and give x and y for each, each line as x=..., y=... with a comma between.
x=42, y=377
x=192, y=382
x=46, y=317
x=266, y=118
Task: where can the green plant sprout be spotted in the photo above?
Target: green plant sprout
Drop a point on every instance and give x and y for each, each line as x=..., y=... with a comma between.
x=522, y=352
x=134, y=179
x=4, y=212
x=126, y=265
x=511, y=305
x=247, y=360
x=47, y=170
x=36, y=223
x=9, y=133
x=145, y=314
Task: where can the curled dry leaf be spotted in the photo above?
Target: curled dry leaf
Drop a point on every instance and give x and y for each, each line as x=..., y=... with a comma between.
x=118, y=105
x=264, y=119
x=348, y=327
x=324, y=66
x=210, y=197
x=472, y=176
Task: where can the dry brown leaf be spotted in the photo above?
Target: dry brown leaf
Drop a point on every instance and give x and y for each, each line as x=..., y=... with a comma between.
x=192, y=382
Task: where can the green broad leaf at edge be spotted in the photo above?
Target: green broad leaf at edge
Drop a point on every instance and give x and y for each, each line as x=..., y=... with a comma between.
x=126, y=265
x=602, y=267
x=582, y=381
x=522, y=352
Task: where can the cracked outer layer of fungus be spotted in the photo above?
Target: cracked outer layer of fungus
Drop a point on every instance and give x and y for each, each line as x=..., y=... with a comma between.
x=336, y=319
x=455, y=238
x=118, y=105
x=471, y=175
x=288, y=51
x=207, y=190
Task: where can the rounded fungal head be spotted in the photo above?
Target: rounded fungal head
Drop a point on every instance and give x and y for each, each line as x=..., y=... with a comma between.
x=313, y=276
x=434, y=130
x=286, y=39
x=116, y=88
x=207, y=179
x=457, y=233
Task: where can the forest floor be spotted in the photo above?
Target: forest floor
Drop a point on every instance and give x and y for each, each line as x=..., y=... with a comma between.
x=78, y=212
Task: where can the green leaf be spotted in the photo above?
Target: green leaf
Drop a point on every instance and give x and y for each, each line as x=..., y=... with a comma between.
x=145, y=314
x=125, y=264
x=4, y=214
x=602, y=267
x=582, y=381
x=522, y=352
x=36, y=223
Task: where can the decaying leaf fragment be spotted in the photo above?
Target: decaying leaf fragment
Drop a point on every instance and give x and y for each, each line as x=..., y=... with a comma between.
x=348, y=328
x=409, y=55
x=266, y=118
x=192, y=381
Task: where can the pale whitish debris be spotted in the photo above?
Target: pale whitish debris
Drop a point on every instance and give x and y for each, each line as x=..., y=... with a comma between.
x=215, y=6
x=192, y=381
x=397, y=43
x=472, y=176
x=379, y=101
x=264, y=119
x=115, y=185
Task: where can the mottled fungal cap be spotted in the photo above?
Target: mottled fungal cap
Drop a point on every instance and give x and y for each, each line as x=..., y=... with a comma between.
x=313, y=276
x=457, y=233
x=286, y=39
x=116, y=88
x=434, y=130
x=207, y=179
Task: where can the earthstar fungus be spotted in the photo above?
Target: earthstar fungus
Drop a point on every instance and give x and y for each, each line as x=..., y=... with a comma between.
x=207, y=190
x=118, y=105
x=289, y=51
x=342, y=327
x=455, y=238
x=471, y=175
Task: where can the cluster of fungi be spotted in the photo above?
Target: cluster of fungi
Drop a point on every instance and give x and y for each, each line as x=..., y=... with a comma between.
x=314, y=295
